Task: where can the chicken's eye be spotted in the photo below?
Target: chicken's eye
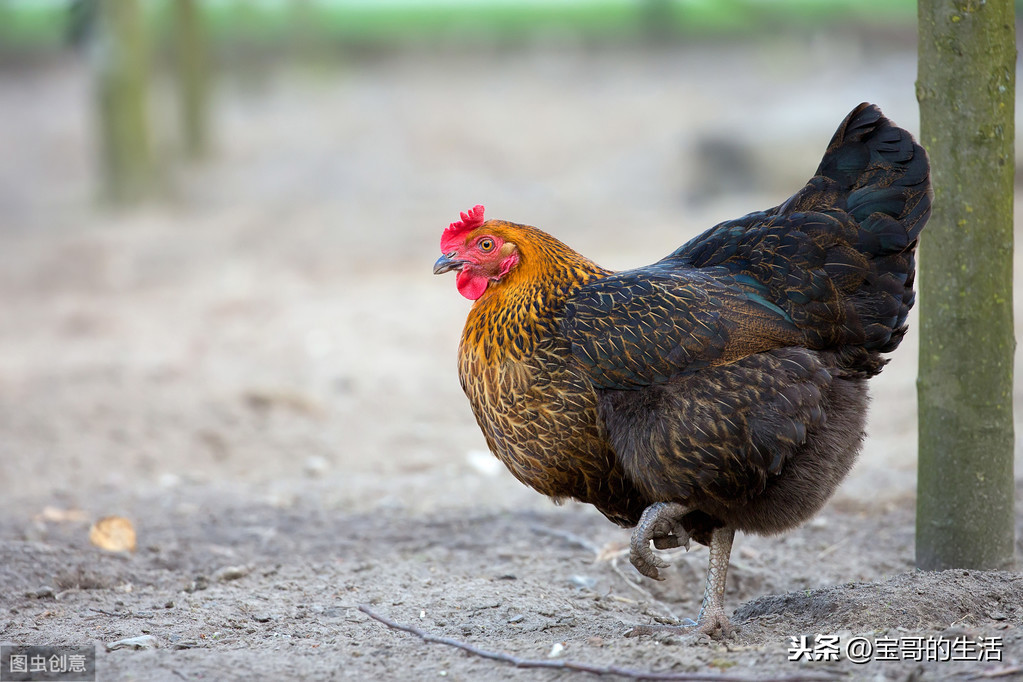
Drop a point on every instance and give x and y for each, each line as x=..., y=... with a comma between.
x=486, y=244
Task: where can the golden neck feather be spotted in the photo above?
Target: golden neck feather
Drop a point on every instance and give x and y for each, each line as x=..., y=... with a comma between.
x=515, y=312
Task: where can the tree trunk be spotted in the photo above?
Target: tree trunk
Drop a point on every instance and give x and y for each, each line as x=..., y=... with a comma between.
x=966, y=90
x=658, y=17
x=193, y=77
x=122, y=73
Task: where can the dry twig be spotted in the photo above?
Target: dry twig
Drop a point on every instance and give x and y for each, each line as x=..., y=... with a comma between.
x=583, y=667
x=111, y=613
x=1000, y=671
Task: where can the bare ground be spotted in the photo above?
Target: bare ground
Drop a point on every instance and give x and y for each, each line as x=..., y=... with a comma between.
x=257, y=371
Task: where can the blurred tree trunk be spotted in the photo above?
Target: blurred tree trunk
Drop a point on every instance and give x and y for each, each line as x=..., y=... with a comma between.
x=658, y=17
x=122, y=66
x=193, y=74
x=966, y=90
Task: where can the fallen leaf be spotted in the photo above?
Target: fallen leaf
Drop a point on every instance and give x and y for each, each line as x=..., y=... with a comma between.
x=114, y=534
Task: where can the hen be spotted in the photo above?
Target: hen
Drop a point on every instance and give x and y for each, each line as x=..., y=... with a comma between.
x=722, y=388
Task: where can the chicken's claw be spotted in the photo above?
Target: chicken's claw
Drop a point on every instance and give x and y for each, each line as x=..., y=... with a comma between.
x=715, y=626
x=661, y=523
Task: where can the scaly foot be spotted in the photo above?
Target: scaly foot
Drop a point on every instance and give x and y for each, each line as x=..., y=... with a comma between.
x=661, y=523
x=715, y=626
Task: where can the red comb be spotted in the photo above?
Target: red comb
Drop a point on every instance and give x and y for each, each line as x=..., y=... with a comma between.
x=452, y=236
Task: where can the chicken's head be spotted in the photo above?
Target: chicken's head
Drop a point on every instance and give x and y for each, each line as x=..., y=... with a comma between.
x=478, y=251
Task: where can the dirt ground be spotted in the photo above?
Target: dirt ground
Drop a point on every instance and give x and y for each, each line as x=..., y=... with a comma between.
x=257, y=370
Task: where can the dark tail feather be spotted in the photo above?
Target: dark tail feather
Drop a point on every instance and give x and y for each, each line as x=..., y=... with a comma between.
x=838, y=256
x=885, y=179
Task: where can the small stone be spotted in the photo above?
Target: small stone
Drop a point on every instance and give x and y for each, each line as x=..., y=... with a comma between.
x=516, y=619
x=583, y=582
x=482, y=462
x=168, y=480
x=44, y=592
x=135, y=643
x=556, y=650
x=262, y=617
x=749, y=553
x=201, y=582
x=231, y=573
x=315, y=466
x=997, y=615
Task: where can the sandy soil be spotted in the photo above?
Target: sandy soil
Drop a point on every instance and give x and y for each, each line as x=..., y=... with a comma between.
x=258, y=371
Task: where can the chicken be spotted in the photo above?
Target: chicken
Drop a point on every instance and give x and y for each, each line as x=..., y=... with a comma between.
x=722, y=388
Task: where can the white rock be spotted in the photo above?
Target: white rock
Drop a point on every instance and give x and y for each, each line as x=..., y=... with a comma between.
x=315, y=466
x=141, y=642
x=168, y=480
x=483, y=462
x=231, y=573
x=318, y=343
x=556, y=650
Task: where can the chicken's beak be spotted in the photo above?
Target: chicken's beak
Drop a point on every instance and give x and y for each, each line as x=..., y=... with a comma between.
x=446, y=263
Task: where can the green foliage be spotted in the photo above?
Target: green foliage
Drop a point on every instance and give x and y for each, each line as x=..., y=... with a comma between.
x=24, y=23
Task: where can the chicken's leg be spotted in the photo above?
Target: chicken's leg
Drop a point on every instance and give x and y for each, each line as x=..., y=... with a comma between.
x=662, y=523
x=712, y=619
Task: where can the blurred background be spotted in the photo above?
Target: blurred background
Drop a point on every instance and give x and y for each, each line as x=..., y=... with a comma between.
x=218, y=218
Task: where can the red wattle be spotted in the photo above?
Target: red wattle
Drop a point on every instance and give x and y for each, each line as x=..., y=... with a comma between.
x=471, y=286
